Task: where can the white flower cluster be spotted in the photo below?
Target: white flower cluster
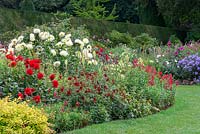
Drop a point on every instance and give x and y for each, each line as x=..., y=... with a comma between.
x=42, y=41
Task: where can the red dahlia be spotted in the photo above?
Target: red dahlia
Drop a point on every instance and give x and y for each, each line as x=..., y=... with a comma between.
x=52, y=77
x=55, y=83
x=29, y=71
x=28, y=91
x=40, y=75
x=37, y=98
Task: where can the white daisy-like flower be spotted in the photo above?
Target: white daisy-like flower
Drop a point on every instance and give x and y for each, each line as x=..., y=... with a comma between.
x=158, y=56
x=32, y=37
x=64, y=53
x=36, y=31
x=89, y=55
x=94, y=62
x=19, y=47
x=44, y=35
x=53, y=52
x=68, y=36
x=80, y=42
x=29, y=46
x=69, y=43
x=56, y=64
x=59, y=44
x=85, y=41
x=51, y=38
x=20, y=38
x=14, y=41
x=89, y=47
x=61, y=34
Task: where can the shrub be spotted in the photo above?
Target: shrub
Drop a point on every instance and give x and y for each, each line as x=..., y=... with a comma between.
x=117, y=38
x=18, y=117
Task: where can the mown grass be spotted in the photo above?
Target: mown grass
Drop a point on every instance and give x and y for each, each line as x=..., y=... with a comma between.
x=182, y=118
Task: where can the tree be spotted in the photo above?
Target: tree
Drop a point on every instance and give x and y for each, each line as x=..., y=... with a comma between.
x=93, y=9
x=182, y=14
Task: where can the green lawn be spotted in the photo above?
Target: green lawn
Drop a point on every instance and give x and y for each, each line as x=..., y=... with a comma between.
x=182, y=118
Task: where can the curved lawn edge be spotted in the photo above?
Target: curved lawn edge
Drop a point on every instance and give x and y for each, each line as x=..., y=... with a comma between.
x=182, y=118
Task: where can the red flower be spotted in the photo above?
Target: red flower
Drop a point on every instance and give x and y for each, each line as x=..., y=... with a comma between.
x=62, y=89
x=20, y=95
x=77, y=104
x=29, y=71
x=94, y=100
x=40, y=75
x=55, y=83
x=19, y=58
x=37, y=98
x=69, y=92
x=77, y=84
x=65, y=103
x=10, y=57
x=28, y=91
x=36, y=66
x=13, y=64
x=52, y=77
x=69, y=78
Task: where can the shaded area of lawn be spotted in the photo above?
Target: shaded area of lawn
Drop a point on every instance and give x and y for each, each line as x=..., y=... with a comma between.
x=182, y=118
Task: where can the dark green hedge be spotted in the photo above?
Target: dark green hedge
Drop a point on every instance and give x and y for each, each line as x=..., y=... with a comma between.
x=17, y=20
x=102, y=27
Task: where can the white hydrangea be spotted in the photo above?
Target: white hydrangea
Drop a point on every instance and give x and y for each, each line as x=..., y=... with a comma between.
x=63, y=53
x=85, y=40
x=53, y=52
x=56, y=64
x=61, y=34
x=36, y=31
x=32, y=37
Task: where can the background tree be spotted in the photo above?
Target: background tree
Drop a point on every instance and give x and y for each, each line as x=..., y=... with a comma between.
x=94, y=9
x=182, y=14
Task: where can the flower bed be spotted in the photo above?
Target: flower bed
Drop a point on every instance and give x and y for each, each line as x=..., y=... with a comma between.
x=80, y=84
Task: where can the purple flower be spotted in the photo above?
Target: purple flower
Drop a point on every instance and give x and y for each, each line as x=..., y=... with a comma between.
x=181, y=48
x=169, y=43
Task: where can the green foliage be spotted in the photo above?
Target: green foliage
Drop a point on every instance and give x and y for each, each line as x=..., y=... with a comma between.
x=143, y=41
x=193, y=36
x=118, y=38
x=180, y=13
x=99, y=114
x=27, y=5
x=100, y=28
x=50, y=5
x=93, y=9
